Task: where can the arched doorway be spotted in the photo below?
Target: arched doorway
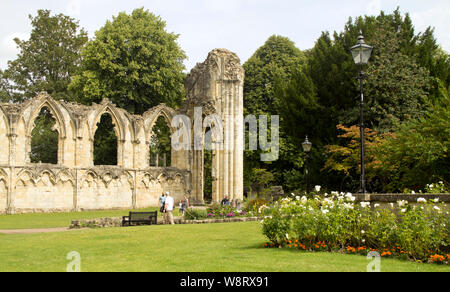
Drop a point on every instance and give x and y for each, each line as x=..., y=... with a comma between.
x=105, y=142
x=44, y=139
x=160, y=144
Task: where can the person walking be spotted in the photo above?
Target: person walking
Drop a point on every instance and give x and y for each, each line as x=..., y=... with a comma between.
x=162, y=206
x=185, y=204
x=169, y=204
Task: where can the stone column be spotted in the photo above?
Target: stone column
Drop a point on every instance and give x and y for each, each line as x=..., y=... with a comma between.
x=231, y=145
x=225, y=171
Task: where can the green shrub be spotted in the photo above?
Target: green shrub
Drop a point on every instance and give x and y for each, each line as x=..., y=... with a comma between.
x=195, y=214
x=415, y=232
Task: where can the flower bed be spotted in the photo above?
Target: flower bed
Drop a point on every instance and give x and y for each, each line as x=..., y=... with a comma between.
x=339, y=223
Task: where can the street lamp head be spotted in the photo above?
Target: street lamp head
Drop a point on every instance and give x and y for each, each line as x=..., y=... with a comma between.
x=306, y=145
x=361, y=52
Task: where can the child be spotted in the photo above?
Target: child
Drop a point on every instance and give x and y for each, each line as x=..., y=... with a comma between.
x=181, y=208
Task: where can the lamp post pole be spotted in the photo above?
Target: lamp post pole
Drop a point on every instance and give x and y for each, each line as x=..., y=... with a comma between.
x=361, y=128
x=307, y=148
x=361, y=54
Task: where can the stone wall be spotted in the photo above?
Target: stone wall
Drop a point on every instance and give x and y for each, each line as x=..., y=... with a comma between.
x=74, y=183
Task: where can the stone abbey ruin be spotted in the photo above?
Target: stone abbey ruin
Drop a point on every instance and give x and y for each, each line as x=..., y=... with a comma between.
x=75, y=183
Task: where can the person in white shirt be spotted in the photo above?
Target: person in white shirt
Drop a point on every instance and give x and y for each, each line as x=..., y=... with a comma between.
x=169, y=204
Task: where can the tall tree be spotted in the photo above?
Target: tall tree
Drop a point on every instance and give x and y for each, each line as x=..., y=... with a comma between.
x=397, y=87
x=134, y=62
x=47, y=61
x=277, y=58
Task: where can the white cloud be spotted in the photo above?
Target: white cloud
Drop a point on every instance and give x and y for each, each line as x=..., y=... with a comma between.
x=436, y=17
x=374, y=7
x=73, y=7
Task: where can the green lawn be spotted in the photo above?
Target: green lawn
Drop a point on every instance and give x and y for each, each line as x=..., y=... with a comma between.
x=187, y=248
x=49, y=220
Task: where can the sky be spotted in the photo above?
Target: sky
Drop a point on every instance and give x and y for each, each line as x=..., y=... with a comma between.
x=241, y=26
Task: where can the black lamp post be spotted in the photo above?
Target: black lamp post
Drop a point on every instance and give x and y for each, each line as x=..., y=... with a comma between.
x=361, y=53
x=307, y=148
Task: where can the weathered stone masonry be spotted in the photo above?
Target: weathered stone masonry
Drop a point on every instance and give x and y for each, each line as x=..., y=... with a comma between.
x=76, y=184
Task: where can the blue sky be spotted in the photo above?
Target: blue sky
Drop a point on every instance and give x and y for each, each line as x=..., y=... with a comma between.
x=238, y=25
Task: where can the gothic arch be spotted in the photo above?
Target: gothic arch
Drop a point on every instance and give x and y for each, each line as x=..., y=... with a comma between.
x=151, y=116
x=119, y=125
x=4, y=116
x=46, y=101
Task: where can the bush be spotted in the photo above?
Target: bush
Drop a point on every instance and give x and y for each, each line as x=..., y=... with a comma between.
x=195, y=214
x=338, y=223
x=254, y=205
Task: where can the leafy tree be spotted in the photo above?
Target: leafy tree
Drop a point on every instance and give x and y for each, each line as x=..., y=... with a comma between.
x=262, y=180
x=397, y=86
x=346, y=158
x=417, y=154
x=297, y=104
x=278, y=57
x=47, y=61
x=134, y=62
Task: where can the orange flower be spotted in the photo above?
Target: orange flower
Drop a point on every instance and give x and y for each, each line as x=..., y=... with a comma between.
x=437, y=258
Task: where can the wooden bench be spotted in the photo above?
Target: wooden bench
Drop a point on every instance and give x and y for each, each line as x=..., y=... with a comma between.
x=140, y=218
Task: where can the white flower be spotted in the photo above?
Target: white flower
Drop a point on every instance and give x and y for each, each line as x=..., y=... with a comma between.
x=392, y=205
x=325, y=211
x=363, y=241
x=413, y=192
x=287, y=236
x=436, y=200
x=326, y=194
x=297, y=198
x=363, y=232
x=402, y=203
x=348, y=206
x=437, y=208
x=421, y=200
x=304, y=199
x=403, y=211
x=365, y=204
x=377, y=205
x=441, y=182
x=318, y=188
x=350, y=197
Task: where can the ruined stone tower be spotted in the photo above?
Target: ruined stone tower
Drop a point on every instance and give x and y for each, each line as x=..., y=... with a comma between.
x=217, y=86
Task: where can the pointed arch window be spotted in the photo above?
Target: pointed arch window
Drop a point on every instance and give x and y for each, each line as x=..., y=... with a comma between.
x=44, y=138
x=105, y=142
x=161, y=144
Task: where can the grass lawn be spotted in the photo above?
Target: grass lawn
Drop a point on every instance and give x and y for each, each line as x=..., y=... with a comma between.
x=228, y=247
x=49, y=220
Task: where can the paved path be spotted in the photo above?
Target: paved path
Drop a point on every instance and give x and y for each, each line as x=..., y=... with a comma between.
x=30, y=231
